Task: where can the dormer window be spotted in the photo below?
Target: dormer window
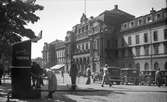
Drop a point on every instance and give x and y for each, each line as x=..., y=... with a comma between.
x=132, y=23
x=140, y=21
x=158, y=16
x=79, y=30
x=149, y=19
x=125, y=25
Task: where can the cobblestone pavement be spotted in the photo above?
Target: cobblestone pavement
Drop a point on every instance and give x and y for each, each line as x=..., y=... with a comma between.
x=95, y=93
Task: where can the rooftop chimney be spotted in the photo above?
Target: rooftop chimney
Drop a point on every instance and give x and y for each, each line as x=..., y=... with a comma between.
x=152, y=10
x=116, y=6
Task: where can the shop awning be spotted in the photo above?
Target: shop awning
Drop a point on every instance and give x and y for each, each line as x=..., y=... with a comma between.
x=57, y=67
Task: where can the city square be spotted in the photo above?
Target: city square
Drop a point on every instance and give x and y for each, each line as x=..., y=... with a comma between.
x=83, y=51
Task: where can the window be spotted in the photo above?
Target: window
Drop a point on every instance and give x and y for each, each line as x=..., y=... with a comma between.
x=165, y=48
x=130, y=52
x=137, y=51
x=124, y=25
x=79, y=30
x=138, y=66
x=140, y=21
x=158, y=16
x=108, y=43
x=132, y=24
x=155, y=35
x=122, y=42
x=146, y=50
x=145, y=37
x=137, y=39
x=123, y=53
x=146, y=67
x=129, y=40
x=166, y=66
x=156, y=49
x=82, y=46
x=156, y=66
x=119, y=53
x=86, y=27
x=149, y=19
x=165, y=34
x=130, y=65
x=86, y=46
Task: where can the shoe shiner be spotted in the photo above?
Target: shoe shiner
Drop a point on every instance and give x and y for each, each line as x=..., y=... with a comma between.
x=52, y=82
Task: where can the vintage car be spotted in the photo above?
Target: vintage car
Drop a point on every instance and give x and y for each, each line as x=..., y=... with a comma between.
x=113, y=76
x=149, y=78
x=129, y=76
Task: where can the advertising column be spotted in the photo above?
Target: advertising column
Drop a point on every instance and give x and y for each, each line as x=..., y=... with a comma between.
x=20, y=72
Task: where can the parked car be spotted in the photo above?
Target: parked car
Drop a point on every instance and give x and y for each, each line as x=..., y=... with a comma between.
x=113, y=76
x=149, y=77
x=129, y=76
x=164, y=77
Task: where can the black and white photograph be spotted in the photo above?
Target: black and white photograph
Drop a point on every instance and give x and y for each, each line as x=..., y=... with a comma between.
x=83, y=50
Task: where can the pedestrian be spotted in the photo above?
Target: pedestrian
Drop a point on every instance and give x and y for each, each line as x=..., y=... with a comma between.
x=36, y=74
x=105, y=69
x=62, y=74
x=88, y=74
x=1, y=71
x=141, y=78
x=73, y=75
x=158, y=77
x=52, y=82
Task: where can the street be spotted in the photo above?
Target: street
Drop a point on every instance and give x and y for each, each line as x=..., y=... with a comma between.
x=95, y=93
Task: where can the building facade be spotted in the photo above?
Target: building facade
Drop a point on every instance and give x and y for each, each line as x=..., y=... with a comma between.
x=53, y=53
x=115, y=38
x=143, y=42
x=95, y=41
x=69, y=49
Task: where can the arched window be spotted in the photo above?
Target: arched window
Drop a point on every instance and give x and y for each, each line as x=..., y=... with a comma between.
x=146, y=67
x=138, y=66
x=130, y=65
x=94, y=67
x=156, y=66
x=165, y=66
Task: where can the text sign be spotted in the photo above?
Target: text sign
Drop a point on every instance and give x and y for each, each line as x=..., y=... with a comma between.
x=21, y=56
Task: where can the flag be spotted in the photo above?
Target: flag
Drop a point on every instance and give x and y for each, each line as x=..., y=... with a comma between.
x=37, y=37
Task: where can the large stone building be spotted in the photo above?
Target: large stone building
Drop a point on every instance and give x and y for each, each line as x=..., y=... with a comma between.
x=94, y=41
x=53, y=53
x=115, y=38
x=143, y=42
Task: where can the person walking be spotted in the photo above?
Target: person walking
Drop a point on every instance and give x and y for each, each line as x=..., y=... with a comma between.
x=52, y=82
x=88, y=74
x=62, y=74
x=104, y=74
x=1, y=71
x=73, y=75
x=158, y=77
x=36, y=73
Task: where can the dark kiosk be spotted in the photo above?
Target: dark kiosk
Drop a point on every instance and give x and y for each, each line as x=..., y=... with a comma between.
x=20, y=70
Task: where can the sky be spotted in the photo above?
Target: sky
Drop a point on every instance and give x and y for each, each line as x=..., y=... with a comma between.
x=59, y=16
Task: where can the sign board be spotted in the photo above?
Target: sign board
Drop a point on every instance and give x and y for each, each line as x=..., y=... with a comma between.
x=22, y=54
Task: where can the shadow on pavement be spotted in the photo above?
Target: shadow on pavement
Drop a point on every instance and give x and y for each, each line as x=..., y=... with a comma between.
x=63, y=94
x=95, y=92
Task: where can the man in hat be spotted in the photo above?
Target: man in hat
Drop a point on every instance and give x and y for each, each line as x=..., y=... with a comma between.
x=73, y=74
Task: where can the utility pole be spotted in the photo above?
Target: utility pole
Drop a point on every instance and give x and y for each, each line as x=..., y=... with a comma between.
x=85, y=7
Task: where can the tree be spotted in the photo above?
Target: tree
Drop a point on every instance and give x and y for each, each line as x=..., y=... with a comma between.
x=14, y=15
